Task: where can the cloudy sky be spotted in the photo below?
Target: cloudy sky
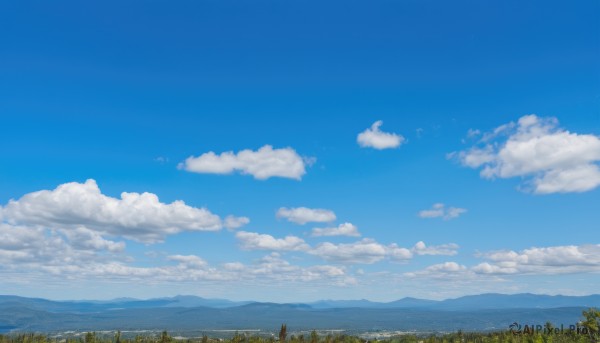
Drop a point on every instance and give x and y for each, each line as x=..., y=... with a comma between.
x=295, y=151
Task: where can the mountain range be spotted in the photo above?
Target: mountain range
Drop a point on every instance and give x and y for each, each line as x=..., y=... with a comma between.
x=196, y=314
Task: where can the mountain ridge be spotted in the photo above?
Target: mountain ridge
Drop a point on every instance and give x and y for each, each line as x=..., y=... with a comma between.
x=482, y=312
x=468, y=302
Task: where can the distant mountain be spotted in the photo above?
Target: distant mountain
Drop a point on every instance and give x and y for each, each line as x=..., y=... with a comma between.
x=191, y=313
x=79, y=306
x=472, y=302
x=194, y=301
x=345, y=304
x=402, y=303
x=525, y=300
x=89, y=306
x=412, y=303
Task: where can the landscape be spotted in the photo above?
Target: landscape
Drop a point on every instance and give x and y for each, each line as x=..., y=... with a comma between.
x=191, y=316
x=299, y=171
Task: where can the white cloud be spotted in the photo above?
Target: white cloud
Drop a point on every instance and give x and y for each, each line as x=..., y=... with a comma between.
x=264, y=163
x=551, y=159
x=421, y=248
x=547, y=260
x=366, y=251
x=345, y=229
x=23, y=248
x=192, y=268
x=13, y=237
x=83, y=238
x=38, y=254
x=444, y=270
x=303, y=215
x=59, y=234
x=373, y=137
x=141, y=217
x=256, y=241
x=568, y=259
x=577, y=179
x=191, y=261
x=274, y=266
x=440, y=210
x=396, y=253
x=232, y=222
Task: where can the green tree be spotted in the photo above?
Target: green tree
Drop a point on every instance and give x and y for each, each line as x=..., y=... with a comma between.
x=164, y=337
x=282, y=333
x=591, y=321
x=90, y=337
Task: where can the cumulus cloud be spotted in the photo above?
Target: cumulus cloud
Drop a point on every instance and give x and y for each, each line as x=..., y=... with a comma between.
x=36, y=253
x=83, y=238
x=232, y=222
x=398, y=254
x=61, y=233
x=366, y=251
x=345, y=229
x=369, y=251
x=141, y=217
x=274, y=266
x=440, y=210
x=264, y=163
x=442, y=270
x=547, y=260
x=420, y=248
x=373, y=137
x=13, y=237
x=78, y=206
x=24, y=248
x=303, y=215
x=256, y=241
x=567, y=259
x=191, y=261
x=551, y=159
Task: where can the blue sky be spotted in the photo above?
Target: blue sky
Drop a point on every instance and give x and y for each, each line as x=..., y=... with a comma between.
x=124, y=93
